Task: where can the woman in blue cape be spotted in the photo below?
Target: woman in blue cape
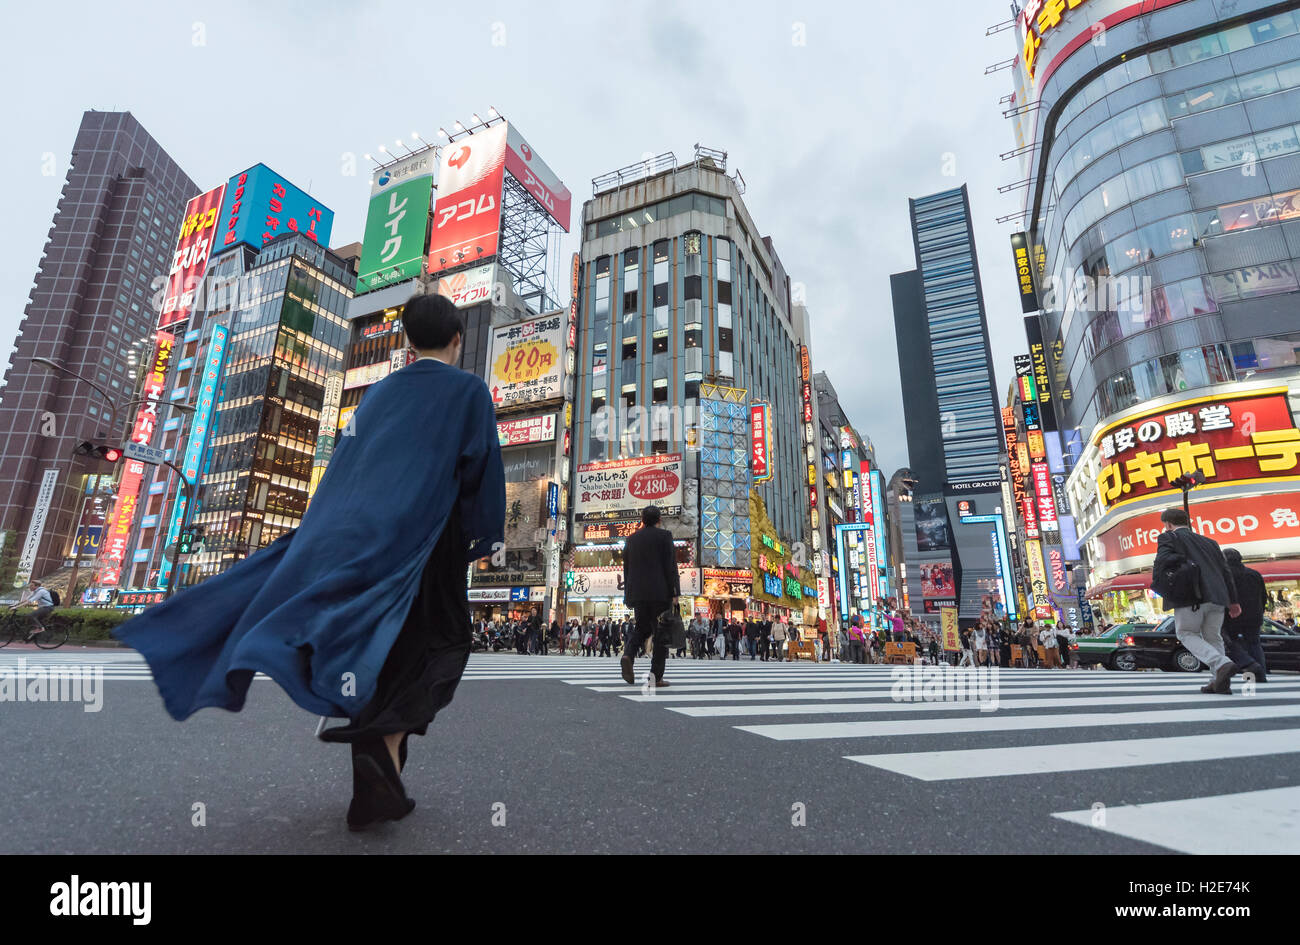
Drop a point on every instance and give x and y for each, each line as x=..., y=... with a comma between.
x=361, y=612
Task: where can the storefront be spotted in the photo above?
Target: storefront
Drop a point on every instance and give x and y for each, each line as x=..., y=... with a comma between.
x=725, y=594
x=505, y=603
x=1242, y=441
x=597, y=592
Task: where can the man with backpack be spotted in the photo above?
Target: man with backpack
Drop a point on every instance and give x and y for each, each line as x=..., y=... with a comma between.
x=43, y=599
x=1192, y=576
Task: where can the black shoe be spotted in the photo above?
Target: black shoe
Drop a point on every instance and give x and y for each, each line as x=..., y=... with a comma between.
x=1222, y=676
x=377, y=792
x=625, y=664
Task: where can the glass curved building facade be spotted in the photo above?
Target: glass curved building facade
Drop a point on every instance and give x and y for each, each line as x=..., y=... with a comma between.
x=1166, y=204
x=1161, y=145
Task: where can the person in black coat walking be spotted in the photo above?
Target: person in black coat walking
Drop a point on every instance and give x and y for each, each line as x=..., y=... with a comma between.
x=1241, y=633
x=1192, y=576
x=651, y=586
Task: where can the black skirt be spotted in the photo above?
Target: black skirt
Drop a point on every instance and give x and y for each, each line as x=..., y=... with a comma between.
x=422, y=670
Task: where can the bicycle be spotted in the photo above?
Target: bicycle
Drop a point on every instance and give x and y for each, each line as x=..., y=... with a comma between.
x=16, y=627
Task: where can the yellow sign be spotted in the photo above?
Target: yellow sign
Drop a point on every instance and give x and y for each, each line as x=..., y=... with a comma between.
x=1038, y=578
x=1038, y=19
x=526, y=362
x=1037, y=448
x=948, y=622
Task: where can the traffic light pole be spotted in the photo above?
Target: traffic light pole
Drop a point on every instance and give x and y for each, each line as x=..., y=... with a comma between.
x=185, y=518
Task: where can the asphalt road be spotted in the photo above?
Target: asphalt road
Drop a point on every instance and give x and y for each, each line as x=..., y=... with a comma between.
x=556, y=754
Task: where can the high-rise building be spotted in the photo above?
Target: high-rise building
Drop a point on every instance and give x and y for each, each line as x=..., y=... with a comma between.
x=951, y=413
x=1159, y=269
x=247, y=265
x=689, y=353
x=286, y=342
x=91, y=310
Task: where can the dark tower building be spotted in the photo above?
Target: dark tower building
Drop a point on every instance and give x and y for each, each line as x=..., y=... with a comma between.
x=112, y=236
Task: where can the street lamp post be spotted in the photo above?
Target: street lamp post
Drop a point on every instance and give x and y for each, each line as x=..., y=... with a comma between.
x=189, y=506
x=1187, y=482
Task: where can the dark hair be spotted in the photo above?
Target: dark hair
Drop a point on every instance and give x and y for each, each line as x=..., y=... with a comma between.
x=431, y=321
x=650, y=515
x=1233, y=555
x=1175, y=517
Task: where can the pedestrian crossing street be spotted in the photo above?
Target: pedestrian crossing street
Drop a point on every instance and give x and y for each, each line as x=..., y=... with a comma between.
x=856, y=705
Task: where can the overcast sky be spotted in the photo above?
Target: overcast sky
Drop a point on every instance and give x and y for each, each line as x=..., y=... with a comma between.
x=834, y=113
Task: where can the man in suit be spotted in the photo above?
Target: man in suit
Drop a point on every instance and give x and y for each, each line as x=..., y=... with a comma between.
x=650, y=586
x=1198, y=610
x=1241, y=633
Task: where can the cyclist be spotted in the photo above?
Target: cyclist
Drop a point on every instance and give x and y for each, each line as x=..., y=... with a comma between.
x=34, y=595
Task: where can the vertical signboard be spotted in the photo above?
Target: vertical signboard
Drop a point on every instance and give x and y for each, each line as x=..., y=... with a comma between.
x=203, y=408
x=1024, y=273
x=190, y=260
x=1041, y=601
x=948, y=623
x=32, y=543
x=397, y=222
x=882, y=548
x=128, y=490
x=327, y=433
x=1042, y=380
x=467, y=214
x=760, y=440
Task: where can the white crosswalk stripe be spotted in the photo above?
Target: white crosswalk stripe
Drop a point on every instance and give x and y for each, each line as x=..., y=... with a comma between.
x=1036, y=707
x=123, y=665
x=1251, y=822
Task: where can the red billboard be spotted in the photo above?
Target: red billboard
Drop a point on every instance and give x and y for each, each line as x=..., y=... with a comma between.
x=190, y=261
x=1248, y=438
x=1254, y=525
x=146, y=419
x=467, y=214
x=1043, y=491
x=539, y=180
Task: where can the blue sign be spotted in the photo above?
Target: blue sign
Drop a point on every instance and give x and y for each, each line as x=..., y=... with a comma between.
x=261, y=205
x=203, y=409
x=772, y=585
x=553, y=500
x=882, y=540
x=519, y=593
x=1085, y=610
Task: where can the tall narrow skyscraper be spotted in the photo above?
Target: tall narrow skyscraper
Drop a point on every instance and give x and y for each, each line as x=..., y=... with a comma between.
x=951, y=412
x=112, y=235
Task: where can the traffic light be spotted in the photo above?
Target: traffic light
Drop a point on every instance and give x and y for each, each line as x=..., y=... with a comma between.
x=189, y=540
x=109, y=454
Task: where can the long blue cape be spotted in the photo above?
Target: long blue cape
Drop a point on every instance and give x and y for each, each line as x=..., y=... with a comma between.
x=319, y=609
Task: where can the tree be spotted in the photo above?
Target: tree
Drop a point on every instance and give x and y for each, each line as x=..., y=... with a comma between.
x=9, y=554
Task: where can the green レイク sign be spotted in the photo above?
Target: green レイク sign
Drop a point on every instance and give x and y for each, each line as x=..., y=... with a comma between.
x=397, y=222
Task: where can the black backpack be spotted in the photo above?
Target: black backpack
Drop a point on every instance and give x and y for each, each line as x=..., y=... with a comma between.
x=1183, y=580
x=54, y=596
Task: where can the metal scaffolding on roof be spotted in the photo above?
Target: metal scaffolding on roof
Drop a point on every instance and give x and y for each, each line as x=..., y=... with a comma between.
x=525, y=246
